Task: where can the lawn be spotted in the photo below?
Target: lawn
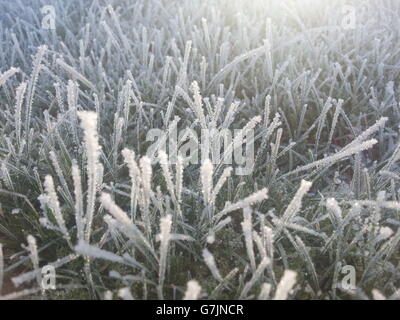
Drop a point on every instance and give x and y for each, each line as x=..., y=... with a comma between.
x=187, y=149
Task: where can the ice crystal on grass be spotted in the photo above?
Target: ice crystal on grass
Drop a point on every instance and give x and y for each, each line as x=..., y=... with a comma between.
x=210, y=262
x=89, y=125
x=192, y=291
x=8, y=74
x=52, y=201
x=165, y=237
x=285, y=285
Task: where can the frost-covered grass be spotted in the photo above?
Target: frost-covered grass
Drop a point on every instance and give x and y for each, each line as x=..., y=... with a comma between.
x=78, y=192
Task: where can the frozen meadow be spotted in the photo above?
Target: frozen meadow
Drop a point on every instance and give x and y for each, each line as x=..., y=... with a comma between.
x=187, y=149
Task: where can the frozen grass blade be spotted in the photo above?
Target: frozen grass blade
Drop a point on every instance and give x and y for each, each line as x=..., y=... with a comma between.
x=55, y=206
x=8, y=74
x=285, y=285
x=165, y=236
x=247, y=228
x=89, y=126
x=193, y=290
x=210, y=262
